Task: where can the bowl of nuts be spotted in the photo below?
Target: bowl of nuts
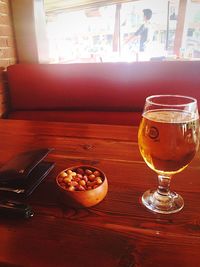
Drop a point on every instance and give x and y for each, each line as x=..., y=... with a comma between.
x=82, y=186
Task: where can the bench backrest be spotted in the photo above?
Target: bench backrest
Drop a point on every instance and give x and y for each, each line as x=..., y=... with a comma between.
x=102, y=86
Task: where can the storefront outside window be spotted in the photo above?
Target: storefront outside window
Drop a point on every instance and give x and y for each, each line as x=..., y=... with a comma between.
x=105, y=33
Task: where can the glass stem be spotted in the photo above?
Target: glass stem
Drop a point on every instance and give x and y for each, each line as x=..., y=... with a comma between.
x=163, y=185
x=162, y=198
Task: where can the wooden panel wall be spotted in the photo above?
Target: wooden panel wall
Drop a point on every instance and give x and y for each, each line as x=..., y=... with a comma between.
x=8, y=54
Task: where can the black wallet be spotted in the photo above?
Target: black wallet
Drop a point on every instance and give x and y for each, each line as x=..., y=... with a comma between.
x=23, y=173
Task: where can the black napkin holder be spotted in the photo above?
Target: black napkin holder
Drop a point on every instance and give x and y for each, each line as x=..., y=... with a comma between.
x=23, y=173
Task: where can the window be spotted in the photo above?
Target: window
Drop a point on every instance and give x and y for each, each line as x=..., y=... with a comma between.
x=110, y=33
x=191, y=39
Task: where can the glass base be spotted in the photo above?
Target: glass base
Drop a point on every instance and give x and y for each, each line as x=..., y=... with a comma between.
x=165, y=204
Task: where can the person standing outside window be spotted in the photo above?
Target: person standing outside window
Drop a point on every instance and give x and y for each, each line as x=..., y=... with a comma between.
x=144, y=32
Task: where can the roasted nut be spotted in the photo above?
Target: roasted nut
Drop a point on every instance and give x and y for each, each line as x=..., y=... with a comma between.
x=74, y=183
x=80, y=171
x=88, y=172
x=81, y=188
x=82, y=182
x=63, y=174
x=78, y=175
x=92, y=177
x=67, y=179
x=98, y=180
x=85, y=178
x=96, y=173
x=71, y=188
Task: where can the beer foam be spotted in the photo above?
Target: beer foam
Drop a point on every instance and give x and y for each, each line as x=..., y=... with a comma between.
x=170, y=116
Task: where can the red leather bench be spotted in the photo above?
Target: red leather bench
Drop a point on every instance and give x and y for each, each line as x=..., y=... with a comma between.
x=108, y=93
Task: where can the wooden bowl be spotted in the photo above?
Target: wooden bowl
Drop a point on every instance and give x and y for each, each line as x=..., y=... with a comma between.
x=89, y=196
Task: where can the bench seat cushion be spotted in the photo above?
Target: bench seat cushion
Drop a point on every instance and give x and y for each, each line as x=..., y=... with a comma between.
x=99, y=117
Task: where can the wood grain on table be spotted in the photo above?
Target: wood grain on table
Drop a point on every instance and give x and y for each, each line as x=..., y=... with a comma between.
x=118, y=232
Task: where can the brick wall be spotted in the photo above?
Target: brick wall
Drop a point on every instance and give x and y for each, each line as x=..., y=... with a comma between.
x=7, y=44
x=8, y=54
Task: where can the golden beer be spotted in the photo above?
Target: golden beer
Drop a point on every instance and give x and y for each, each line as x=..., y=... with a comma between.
x=168, y=140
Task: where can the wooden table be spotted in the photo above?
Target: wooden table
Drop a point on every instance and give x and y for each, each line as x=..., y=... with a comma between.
x=118, y=232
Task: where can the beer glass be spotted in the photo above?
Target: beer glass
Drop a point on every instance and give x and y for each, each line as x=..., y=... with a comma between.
x=168, y=139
